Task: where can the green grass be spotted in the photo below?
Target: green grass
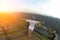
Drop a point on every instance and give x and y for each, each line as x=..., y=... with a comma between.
x=38, y=35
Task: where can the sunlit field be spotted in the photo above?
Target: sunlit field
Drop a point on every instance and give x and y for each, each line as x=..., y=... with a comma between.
x=10, y=20
x=12, y=24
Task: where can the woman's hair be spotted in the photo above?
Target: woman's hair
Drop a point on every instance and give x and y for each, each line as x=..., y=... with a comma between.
x=42, y=23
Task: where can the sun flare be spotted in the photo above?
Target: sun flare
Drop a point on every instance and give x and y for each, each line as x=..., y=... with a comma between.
x=7, y=18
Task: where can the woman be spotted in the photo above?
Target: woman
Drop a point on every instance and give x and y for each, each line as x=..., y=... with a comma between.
x=32, y=24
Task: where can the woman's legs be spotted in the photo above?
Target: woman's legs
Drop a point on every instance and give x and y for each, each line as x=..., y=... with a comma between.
x=30, y=32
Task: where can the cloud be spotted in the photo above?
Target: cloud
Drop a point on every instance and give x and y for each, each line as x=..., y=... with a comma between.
x=45, y=7
x=12, y=5
x=19, y=5
x=52, y=8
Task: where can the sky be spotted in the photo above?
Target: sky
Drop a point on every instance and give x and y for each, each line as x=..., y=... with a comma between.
x=45, y=7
